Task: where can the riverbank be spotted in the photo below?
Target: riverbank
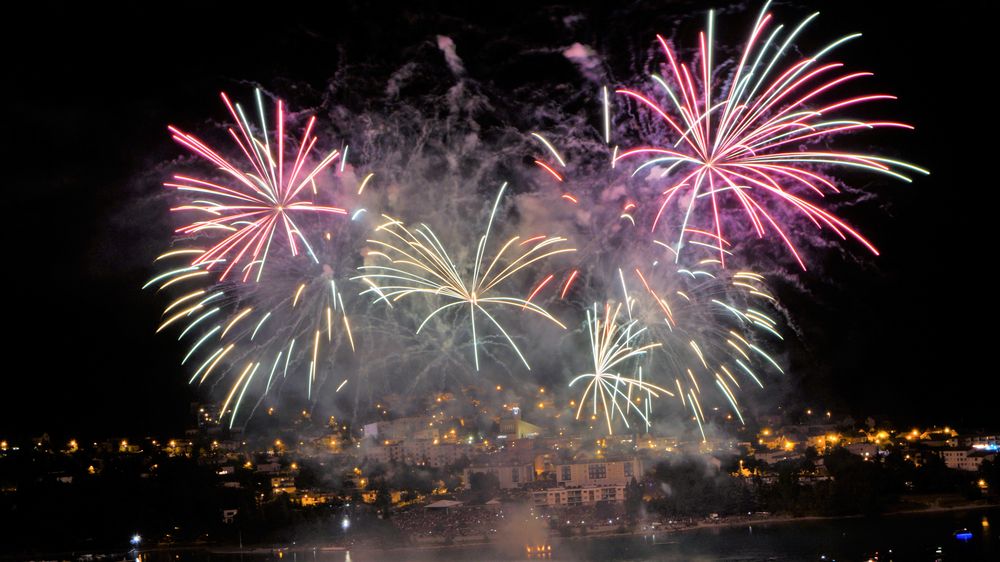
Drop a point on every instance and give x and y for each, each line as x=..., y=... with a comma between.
x=907, y=534
x=666, y=534
x=730, y=522
x=555, y=539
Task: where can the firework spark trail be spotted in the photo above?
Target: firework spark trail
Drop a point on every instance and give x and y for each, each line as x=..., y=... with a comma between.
x=438, y=355
x=613, y=344
x=260, y=199
x=707, y=319
x=419, y=264
x=291, y=325
x=736, y=142
x=261, y=320
x=236, y=339
x=713, y=340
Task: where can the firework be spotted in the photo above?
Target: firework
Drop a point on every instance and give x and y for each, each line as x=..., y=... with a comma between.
x=710, y=322
x=612, y=345
x=418, y=264
x=255, y=201
x=711, y=326
x=741, y=143
x=254, y=338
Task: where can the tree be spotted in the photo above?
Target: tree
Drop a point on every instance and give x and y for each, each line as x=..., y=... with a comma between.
x=383, y=498
x=990, y=472
x=633, y=499
x=690, y=487
x=483, y=486
x=308, y=477
x=933, y=475
x=859, y=486
x=604, y=511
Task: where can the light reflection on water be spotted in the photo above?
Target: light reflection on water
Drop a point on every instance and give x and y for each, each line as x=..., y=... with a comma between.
x=902, y=538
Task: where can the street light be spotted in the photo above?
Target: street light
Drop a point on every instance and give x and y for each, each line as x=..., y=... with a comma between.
x=134, y=551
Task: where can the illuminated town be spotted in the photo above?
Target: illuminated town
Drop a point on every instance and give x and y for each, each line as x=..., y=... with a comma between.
x=627, y=281
x=520, y=473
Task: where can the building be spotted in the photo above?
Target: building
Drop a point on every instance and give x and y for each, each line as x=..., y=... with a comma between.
x=510, y=476
x=666, y=444
x=311, y=498
x=774, y=456
x=369, y=496
x=965, y=459
x=513, y=427
x=587, y=495
x=597, y=473
x=433, y=453
x=178, y=447
x=283, y=485
x=420, y=427
x=823, y=443
x=986, y=442
x=421, y=452
x=864, y=450
x=937, y=437
x=268, y=467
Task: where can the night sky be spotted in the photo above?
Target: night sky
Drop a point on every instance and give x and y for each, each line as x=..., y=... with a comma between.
x=910, y=334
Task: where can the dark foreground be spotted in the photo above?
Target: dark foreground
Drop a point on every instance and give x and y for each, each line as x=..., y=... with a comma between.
x=902, y=537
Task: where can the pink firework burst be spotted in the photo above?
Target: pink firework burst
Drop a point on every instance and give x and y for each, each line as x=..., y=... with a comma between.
x=259, y=199
x=739, y=141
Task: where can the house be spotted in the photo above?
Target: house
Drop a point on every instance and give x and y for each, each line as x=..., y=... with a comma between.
x=510, y=476
x=568, y=497
x=968, y=459
x=513, y=427
x=594, y=472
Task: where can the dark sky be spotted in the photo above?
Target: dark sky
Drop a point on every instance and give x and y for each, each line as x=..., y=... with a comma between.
x=910, y=334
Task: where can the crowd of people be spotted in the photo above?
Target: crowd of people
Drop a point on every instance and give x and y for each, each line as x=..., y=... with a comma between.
x=459, y=521
x=584, y=515
x=484, y=521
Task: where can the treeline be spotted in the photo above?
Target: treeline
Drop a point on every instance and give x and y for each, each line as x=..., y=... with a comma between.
x=691, y=487
x=53, y=503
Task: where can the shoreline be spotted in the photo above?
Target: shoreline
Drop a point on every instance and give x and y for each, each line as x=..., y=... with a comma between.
x=550, y=539
x=804, y=518
x=554, y=540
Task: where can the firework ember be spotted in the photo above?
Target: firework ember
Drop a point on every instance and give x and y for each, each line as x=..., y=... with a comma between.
x=252, y=203
x=418, y=264
x=746, y=141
